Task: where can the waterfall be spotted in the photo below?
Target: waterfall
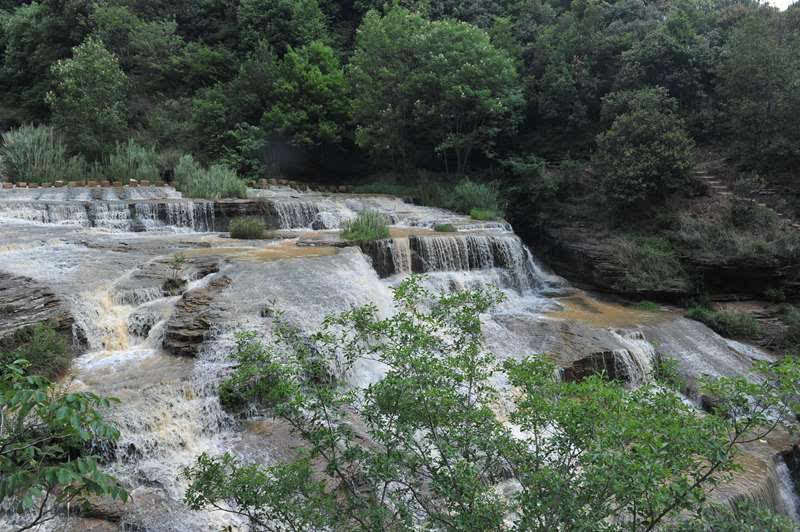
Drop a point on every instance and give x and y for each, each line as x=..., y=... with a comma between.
x=788, y=491
x=46, y=213
x=295, y=214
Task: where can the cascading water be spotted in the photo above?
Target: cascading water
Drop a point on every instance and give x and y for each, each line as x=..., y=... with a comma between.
x=116, y=210
x=296, y=214
x=169, y=411
x=788, y=490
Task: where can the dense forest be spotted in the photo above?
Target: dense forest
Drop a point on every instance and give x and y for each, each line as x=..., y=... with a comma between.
x=644, y=149
x=338, y=90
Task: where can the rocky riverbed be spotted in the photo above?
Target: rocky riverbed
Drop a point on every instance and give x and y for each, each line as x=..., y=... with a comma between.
x=95, y=263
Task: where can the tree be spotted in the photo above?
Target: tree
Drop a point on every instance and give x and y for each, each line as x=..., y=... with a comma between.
x=442, y=86
x=45, y=437
x=32, y=37
x=646, y=153
x=88, y=98
x=282, y=23
x=311, y=106
x=760, y=71
x=421, y=446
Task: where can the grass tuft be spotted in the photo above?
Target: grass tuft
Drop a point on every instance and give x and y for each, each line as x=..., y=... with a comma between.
x=368, y=225
x=216, y=182
x=445, y=228
x=647, y=306
x=483, y=214
x=247, y=228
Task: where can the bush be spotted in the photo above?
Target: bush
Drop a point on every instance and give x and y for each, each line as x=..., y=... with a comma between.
x=213, y=183
x=483, y=214
x=368, y=225
x=33, y=154
x=727, y=323
x=247, y=228
x=649, y=263
x=445, y=228
x=468, y=195
x=648, y=306
x=43, y=347
x=132, y=161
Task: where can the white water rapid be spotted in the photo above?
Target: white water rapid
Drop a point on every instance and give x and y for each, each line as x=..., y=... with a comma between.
x=104, y=254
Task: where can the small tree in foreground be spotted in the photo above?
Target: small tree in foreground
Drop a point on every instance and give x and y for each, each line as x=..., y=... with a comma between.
x=46, y=442
x=422, y=447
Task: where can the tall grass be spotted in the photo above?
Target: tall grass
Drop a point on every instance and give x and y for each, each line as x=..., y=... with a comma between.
x=247, y=228
x=34, y=154
x=213, y=183
x=368, y=225
x=132, y=161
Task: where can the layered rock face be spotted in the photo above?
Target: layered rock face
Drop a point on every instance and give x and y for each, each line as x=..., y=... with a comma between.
x=188, y=327
x=578, y=254
x=24, y=303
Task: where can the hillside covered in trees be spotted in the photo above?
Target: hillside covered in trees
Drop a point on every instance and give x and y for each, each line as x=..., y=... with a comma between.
x=338, y=90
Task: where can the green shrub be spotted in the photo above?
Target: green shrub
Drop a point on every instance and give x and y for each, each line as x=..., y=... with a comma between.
x=775, y=295
x=368, y=225
x=483, y=214
x=213, y=183
x=468, y=196
x=445, y=228
x=462, y=197
x=34, y=154
x=43, y=347
x=648, y=306
x=727, y=323
x=247, y=228
x=132, y=161
x=649, y=264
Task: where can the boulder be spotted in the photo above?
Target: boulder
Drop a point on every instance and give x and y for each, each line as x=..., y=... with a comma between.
x=144, y=183
x=8, y=185
x=21, y=184
x=59, y=183
x=188, y=327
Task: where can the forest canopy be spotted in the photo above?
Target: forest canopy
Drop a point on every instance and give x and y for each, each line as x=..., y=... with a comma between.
x=337, y=90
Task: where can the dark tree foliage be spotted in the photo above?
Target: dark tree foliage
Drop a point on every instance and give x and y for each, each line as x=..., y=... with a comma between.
x=209, y=78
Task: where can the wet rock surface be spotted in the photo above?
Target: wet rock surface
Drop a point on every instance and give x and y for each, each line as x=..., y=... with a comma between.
x=194, y=315
x=110, y=280
x=24, y=303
